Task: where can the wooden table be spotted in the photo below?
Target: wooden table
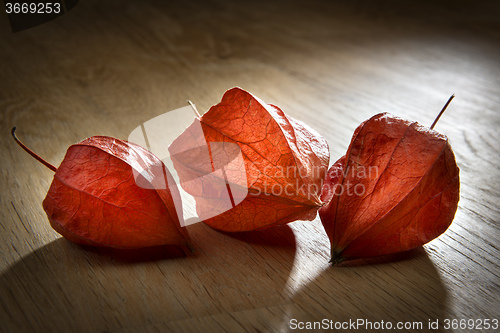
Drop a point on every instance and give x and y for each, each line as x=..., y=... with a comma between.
x=105, y=67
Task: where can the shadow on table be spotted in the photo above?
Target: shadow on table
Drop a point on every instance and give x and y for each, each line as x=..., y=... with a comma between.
x=402, y=288
x=65, y=287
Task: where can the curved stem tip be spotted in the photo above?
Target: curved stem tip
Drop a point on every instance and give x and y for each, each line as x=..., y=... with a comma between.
x=31, y=152
x=194, y=108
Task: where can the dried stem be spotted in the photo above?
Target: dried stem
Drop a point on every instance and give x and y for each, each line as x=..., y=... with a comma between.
x=31, y=152
x=442, y=111
x=194, y=108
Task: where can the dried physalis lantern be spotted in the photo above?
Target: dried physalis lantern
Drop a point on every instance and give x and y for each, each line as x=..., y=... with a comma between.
x=396, y=188
x=109, y=192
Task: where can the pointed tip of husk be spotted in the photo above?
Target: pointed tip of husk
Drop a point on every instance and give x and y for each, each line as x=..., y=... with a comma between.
x=187, y=249
x=336, y=258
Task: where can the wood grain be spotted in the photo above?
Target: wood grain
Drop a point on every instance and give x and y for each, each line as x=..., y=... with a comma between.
x=108, y=66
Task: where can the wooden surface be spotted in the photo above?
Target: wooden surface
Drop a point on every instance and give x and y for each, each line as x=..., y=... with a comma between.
x=108, y=66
